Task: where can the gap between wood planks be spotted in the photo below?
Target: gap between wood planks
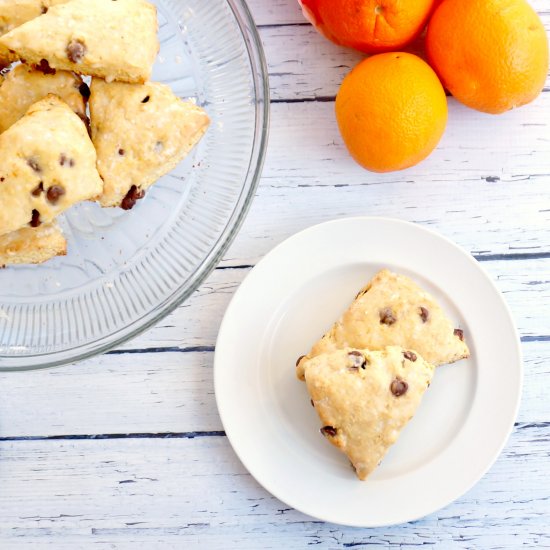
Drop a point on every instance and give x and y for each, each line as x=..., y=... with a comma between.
x=479, y=257
x=212, y=349
x=184, y=435
x=331, y=99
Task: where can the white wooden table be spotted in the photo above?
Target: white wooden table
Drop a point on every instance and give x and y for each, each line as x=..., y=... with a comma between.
x=126, y=451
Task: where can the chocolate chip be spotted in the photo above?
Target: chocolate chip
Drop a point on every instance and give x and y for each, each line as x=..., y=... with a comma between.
x=357, y=360
x=44, y=9
x=424, y=314
x=76, y=50
x=329, y=431
x=398, y=387
x=44, y=67
x=460, y=333
x=129, y=201
x=387, y=317
x=146, y=99
x=121, y=152
x=65, y=160
x=55, y=192
x=299, y=359
x=2, y=178
x=312, y=403
x=84, y=90
x=33, y=163
x=35, y=220
x=410, y=356
x=38, y=190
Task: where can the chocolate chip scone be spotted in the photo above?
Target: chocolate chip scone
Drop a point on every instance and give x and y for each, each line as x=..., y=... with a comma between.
x=32, y=245
x=113, y=39
x=47, y=164
x=365, y=398
x=24, y=86
x=140, y=132
x=393, y=310
x=14, y=13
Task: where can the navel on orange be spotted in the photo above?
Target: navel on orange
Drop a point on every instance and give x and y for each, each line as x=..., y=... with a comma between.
x=391, y=111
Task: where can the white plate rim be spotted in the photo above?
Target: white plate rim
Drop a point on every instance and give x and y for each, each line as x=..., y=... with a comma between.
x=222, y=343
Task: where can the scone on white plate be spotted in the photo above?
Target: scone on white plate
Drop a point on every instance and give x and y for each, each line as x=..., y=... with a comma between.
x=32, y=245
x=140, y=133
x=365, y=398
x=14, y=13
x=113, y=39
x=23, y=86
x=393, y=310
x=47, y=164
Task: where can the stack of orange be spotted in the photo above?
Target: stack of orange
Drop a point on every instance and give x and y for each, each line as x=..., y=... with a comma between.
x=491, y=55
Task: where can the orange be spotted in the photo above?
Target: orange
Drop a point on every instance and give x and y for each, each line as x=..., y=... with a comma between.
x=371, y=26
x=492, y=55
x=391, y=111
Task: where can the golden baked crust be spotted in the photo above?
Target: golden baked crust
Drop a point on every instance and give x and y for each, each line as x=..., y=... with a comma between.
x=32, y=245
x=47, y=164
x=24, y=86
x=365, y=398
x=14, y=13
x=393, y=310
x=140, y=133
x=116, y=40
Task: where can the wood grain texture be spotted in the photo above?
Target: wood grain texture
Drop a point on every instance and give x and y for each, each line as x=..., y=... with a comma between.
x=315, y=67
x=196, y=493
x=485, y=187
x=170, y=392
x=525, y=285
x=175, y=482
x=169, y=388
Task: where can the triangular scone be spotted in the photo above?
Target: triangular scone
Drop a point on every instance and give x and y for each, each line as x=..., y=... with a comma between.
x=47, y=163
x=24, y=86
x=114, y=39
x=32, y=245
x=140, y=132
x=14, y=13
x=393, y=310
x=365, y=398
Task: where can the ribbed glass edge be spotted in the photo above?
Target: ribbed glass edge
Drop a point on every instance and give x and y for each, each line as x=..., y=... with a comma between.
x=260, y=77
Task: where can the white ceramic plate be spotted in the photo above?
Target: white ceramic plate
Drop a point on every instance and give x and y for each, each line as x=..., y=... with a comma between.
x=287, y=302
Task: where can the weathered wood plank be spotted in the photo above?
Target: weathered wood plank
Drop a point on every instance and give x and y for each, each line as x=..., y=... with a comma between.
x=276, y=12
x=525, y=285
x=196, y=494
x=485, y=187
x=304, y=66
x=161, y=393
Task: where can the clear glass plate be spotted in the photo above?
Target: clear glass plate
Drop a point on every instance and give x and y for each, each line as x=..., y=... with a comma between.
x=126, y=270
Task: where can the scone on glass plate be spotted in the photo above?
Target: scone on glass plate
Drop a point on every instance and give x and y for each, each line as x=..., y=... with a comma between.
x=32, y=245
x=23, y=86
x=14, y=13
x=140, y=133
x=47, y=164
x=113, y=39
x=365, y=398
x=393, y=310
